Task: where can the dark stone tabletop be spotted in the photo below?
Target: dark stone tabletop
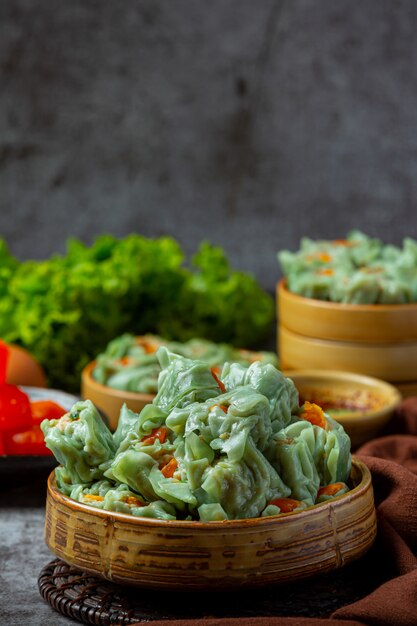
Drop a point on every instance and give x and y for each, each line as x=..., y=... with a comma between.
x=23, y=553
x=24, y=556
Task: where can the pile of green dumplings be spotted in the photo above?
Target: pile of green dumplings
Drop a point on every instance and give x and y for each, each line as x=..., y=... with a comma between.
x=356, y=270
x=127, y=363
x=208, y=448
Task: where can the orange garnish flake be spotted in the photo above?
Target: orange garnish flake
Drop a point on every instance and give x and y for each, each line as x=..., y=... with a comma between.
x=314, y=414
x=284, y=442
x=125, y=360
x=250, y=355
x=91, y=496
x=330, y=490
x=149, y=346
x=286, y=504
x=214, y=372
x=223, y=407
x=343, y=242
x=324, y=257
x=169, y=469
x=326, y=271
x=157, y=433
x=132, y=500
x=66, y=419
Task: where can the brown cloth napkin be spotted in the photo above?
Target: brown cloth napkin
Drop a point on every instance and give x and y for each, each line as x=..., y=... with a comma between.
x=392, y=460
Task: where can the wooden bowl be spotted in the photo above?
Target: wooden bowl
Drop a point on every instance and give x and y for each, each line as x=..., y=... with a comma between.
x=389, y=361
x=109, y=400
x=375, y=323
x=186, y=555
x=363, y=405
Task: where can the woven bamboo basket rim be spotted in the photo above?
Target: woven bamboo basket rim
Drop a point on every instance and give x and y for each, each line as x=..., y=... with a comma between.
x=359, y=473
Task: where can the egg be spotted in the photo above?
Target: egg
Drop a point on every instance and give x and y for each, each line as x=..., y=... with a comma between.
x=24, y=369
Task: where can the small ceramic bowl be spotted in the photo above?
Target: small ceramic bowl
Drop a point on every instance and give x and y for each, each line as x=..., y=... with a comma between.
x=374, y=323
x=186, y=555
x=109, y=400
x=363, y=405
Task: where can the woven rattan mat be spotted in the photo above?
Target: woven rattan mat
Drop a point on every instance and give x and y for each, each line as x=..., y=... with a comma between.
x=92, y=600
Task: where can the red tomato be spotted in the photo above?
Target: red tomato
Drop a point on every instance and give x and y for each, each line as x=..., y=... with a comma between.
x=15, y=413
x=28, y=442
x=20, y=422
x=46, y=409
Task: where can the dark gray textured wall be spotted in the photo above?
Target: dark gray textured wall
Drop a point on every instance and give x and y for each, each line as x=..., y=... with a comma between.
x=247, y=123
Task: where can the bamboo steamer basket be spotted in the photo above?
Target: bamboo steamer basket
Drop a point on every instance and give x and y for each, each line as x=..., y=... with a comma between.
x=372, y=401
x=374, y=340
x=375, y=323
x=394, y=362
x=109, y=400
x=187, y=555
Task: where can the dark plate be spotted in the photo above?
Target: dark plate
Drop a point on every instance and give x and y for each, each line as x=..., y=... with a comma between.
x=16, y=470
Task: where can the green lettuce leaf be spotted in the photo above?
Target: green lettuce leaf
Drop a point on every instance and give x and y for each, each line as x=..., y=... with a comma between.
x=66, y=309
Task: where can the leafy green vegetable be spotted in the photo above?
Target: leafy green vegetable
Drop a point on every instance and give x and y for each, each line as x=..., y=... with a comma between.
x=66, y=309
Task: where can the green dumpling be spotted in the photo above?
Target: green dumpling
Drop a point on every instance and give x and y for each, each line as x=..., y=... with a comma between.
x=291, y=454
x=183, y=381
x=134, y=426
x=357, y=270
x=242, y=488
x=226, y=422
x=221, y=456
x=81, y=442
x=126, y=365
x=209, y=447
x=130, y=363
x=120, y=499
x=334, y=460
x=308, y=456
x=132, y=467
x=280, y=391
x=138, y=377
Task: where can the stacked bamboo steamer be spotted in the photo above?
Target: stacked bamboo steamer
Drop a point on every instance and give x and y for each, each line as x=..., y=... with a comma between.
x=377, y=340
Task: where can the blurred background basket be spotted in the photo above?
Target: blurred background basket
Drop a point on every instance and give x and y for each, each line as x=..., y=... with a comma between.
x=110, y=400
x=375, y=340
